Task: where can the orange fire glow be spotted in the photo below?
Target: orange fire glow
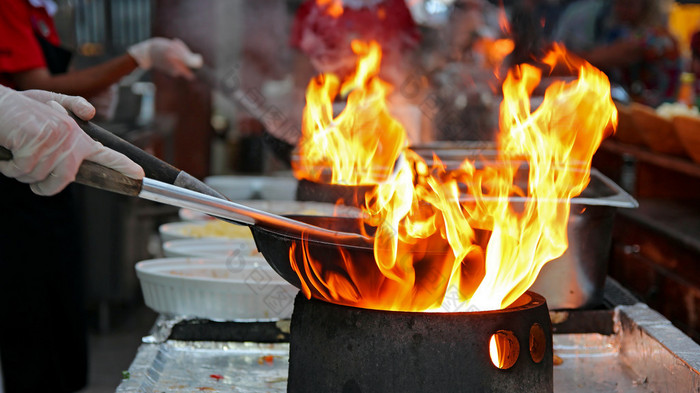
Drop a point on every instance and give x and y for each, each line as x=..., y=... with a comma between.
x=495, y=51
x=472, y=237
x=333, y=8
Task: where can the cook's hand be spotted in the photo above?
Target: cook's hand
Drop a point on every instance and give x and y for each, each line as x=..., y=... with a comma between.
x=170, y=56
x=78, y=105
x=46, y=144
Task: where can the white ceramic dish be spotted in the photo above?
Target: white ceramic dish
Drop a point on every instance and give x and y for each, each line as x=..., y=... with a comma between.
x=193, y=228
x=210, y=248
x=215, y=289
x=282, y=207
x=208, y=229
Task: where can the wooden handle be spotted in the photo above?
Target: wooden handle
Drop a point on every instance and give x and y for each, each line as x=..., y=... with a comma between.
x=97, y=176
x=153, y=167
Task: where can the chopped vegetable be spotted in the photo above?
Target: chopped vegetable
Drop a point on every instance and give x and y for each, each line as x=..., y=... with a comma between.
x=126, y=374
x=218, y=377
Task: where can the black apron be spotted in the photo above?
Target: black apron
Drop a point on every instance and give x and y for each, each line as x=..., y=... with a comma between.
x=43, y=338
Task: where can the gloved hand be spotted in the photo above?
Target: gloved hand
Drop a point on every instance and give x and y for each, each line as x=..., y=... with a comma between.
x=47, y=145
x=170, y=56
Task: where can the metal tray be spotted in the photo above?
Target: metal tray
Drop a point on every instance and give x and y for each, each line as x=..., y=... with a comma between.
x=186, y=366
x=642, y=352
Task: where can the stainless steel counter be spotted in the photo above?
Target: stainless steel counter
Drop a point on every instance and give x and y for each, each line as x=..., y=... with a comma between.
x=630, y=348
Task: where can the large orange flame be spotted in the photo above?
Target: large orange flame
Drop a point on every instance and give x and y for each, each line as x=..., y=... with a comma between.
x=473, y=237
x=359, y=145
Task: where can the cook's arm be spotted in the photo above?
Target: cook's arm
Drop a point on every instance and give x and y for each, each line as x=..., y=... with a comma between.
x=170, y=56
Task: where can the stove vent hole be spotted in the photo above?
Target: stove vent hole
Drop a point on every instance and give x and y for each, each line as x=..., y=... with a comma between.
x=538, y=342
x=504, y=349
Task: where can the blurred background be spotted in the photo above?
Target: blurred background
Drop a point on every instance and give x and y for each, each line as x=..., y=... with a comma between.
x=242, y=114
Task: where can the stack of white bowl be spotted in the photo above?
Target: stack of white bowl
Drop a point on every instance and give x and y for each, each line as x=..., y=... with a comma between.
x=213, y=270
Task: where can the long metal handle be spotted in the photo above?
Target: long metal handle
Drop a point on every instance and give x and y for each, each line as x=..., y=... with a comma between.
x=97, y=176
x=154, y=167
x=158, y=191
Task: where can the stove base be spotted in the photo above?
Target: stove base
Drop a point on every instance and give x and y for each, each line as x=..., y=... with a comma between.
x=343, y=349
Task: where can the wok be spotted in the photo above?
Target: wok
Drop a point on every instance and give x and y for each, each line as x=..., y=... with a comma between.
x=179, y=189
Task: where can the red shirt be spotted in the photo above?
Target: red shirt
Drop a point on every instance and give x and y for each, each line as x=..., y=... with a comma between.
x=20, y=22
x=389, y=22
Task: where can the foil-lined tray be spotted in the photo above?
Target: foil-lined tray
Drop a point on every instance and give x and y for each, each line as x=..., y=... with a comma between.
x=205, y=366
x=643, y=352
x=590, y=363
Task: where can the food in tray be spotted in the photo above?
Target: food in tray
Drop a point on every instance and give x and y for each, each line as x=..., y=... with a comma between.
x=670, y=110
x=217, y=228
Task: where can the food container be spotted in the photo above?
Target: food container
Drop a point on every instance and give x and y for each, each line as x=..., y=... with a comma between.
x=210, y=248
x=281, y=207
x=206, y=229
x=241, y=289
x=199, y=226
x=688, y=132
x=657, y=132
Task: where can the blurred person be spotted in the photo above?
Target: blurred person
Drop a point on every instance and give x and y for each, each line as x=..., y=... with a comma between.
x=469, y=22
x=264, y=77
x=43, y=339
x=42, y=334
x=31, y=56
x=695, y=63
x=323, y=29
x=629, y=41
x=321, y=35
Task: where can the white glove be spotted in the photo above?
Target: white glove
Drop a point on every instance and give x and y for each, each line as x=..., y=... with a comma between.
x=47, y=145
x=170, y=56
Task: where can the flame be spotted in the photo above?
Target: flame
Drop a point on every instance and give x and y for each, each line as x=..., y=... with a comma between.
x=333, y=8
x=361, y=144
x=472, y=237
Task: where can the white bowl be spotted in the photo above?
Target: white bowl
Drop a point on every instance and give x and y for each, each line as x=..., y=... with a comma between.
x=282, y=207
x=215, y=289
x=210, y=248
x=208, y=229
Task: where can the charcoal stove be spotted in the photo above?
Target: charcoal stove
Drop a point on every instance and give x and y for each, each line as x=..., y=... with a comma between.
x=336, y=348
